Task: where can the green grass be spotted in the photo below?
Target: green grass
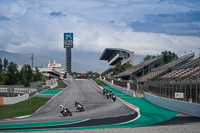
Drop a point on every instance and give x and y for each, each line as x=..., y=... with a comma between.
x=100, y=83
x=61, y=85
x=26, y=107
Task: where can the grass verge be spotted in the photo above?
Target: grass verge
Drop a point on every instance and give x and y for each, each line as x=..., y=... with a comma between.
x=61, y=85
x=26, y=107
x=100, y=83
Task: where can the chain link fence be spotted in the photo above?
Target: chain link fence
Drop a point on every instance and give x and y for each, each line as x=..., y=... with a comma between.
x=184, y=90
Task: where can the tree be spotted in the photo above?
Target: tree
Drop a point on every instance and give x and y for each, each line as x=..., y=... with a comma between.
x=12, y=74
x=1, y=66
x=120, y=68
x=2, y=74
x=65, y=75
x=148, y=57
x=37, y=75
x=3, y=77
x=5, y=63
x=26, y=75
x=168, y=56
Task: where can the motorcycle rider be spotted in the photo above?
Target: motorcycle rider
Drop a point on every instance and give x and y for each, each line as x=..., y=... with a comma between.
x=113, y=97
x=79, y=106
x=110, y=93
x=104, y=91
x=107, y=95
x=64, y=109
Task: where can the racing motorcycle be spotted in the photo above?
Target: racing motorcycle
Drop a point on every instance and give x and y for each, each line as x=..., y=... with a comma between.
x=114, y=97
x=79, y=107
x=110, y=93
x=66, y=112
x=104, y=91
x=107, y=95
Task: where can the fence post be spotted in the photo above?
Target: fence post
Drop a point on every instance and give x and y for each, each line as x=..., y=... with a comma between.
x=191, y=90
x=128, y=86
x=196, y=90
x=172, y=90
x=112, y=82
x=185, y=92
x=165, y=87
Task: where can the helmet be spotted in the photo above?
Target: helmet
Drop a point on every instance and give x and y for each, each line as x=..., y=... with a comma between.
x=61, y=106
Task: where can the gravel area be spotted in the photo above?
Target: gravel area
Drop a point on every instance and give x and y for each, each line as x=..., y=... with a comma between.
x=186, y=128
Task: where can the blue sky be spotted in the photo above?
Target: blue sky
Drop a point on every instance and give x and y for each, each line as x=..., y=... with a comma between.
x=143, y=26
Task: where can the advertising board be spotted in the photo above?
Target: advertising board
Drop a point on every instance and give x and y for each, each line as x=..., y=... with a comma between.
x=68, y=40
x=179, y=95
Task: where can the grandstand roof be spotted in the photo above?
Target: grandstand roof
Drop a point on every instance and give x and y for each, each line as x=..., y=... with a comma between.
x=110, y=52
x=116, y=55
x=137, y=68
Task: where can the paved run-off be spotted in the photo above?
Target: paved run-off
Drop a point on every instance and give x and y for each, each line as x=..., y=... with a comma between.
x=150, y=113
x=50, y=92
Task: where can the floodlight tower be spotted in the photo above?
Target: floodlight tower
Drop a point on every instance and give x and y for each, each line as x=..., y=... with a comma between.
x=32, y=57
x=68, y=44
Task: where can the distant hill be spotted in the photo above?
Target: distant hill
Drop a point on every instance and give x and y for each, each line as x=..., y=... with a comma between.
x=81, y=62
x=39, y=61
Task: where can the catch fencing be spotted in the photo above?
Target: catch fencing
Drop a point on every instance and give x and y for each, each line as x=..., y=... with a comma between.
x=183, y=90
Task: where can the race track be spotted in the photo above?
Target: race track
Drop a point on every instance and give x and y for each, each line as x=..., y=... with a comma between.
x=98, y=109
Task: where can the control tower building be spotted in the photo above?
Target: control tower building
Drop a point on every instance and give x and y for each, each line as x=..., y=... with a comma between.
x=68, y=45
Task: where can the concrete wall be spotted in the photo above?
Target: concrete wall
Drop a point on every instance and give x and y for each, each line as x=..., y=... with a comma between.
x=179, y=106
x=18, y=90
x=51, y=83
x=13, y=100
x=123, y=90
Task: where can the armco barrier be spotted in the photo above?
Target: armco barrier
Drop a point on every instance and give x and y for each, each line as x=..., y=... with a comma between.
x=179, y=106
x=13, y=100
x=123, y=90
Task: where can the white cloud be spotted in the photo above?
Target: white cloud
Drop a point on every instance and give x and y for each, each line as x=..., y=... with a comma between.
x=32, y=29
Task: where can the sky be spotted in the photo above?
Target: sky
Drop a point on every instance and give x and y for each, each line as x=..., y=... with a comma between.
x=142, y=26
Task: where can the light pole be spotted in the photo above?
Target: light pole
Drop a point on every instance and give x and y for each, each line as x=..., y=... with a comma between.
x=136, y=78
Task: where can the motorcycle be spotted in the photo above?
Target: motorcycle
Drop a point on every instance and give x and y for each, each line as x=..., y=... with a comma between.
x=114, y=97
x=79, y=107
x=66, y=112
x=104, y=91
x=108, y=95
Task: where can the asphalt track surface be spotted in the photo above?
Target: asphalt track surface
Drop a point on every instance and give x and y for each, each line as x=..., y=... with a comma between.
x=98, y=109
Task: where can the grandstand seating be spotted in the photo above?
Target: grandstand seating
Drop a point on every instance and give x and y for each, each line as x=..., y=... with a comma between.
x=164, y=69
x=193, y=63
x=138, y=67
x=185, y=73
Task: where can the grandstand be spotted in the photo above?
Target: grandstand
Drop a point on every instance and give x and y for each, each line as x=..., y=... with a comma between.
x=184, y=79
x=140, y=69
x=180, y=76
x=116, y=56
x=167, y=67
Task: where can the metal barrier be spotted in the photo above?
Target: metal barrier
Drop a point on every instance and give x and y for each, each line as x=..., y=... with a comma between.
x=13, y=100
x=125, y=91
x=180, y=106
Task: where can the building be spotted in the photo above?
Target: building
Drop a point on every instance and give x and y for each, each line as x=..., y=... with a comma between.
x=54, y=70
x=117, y=56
